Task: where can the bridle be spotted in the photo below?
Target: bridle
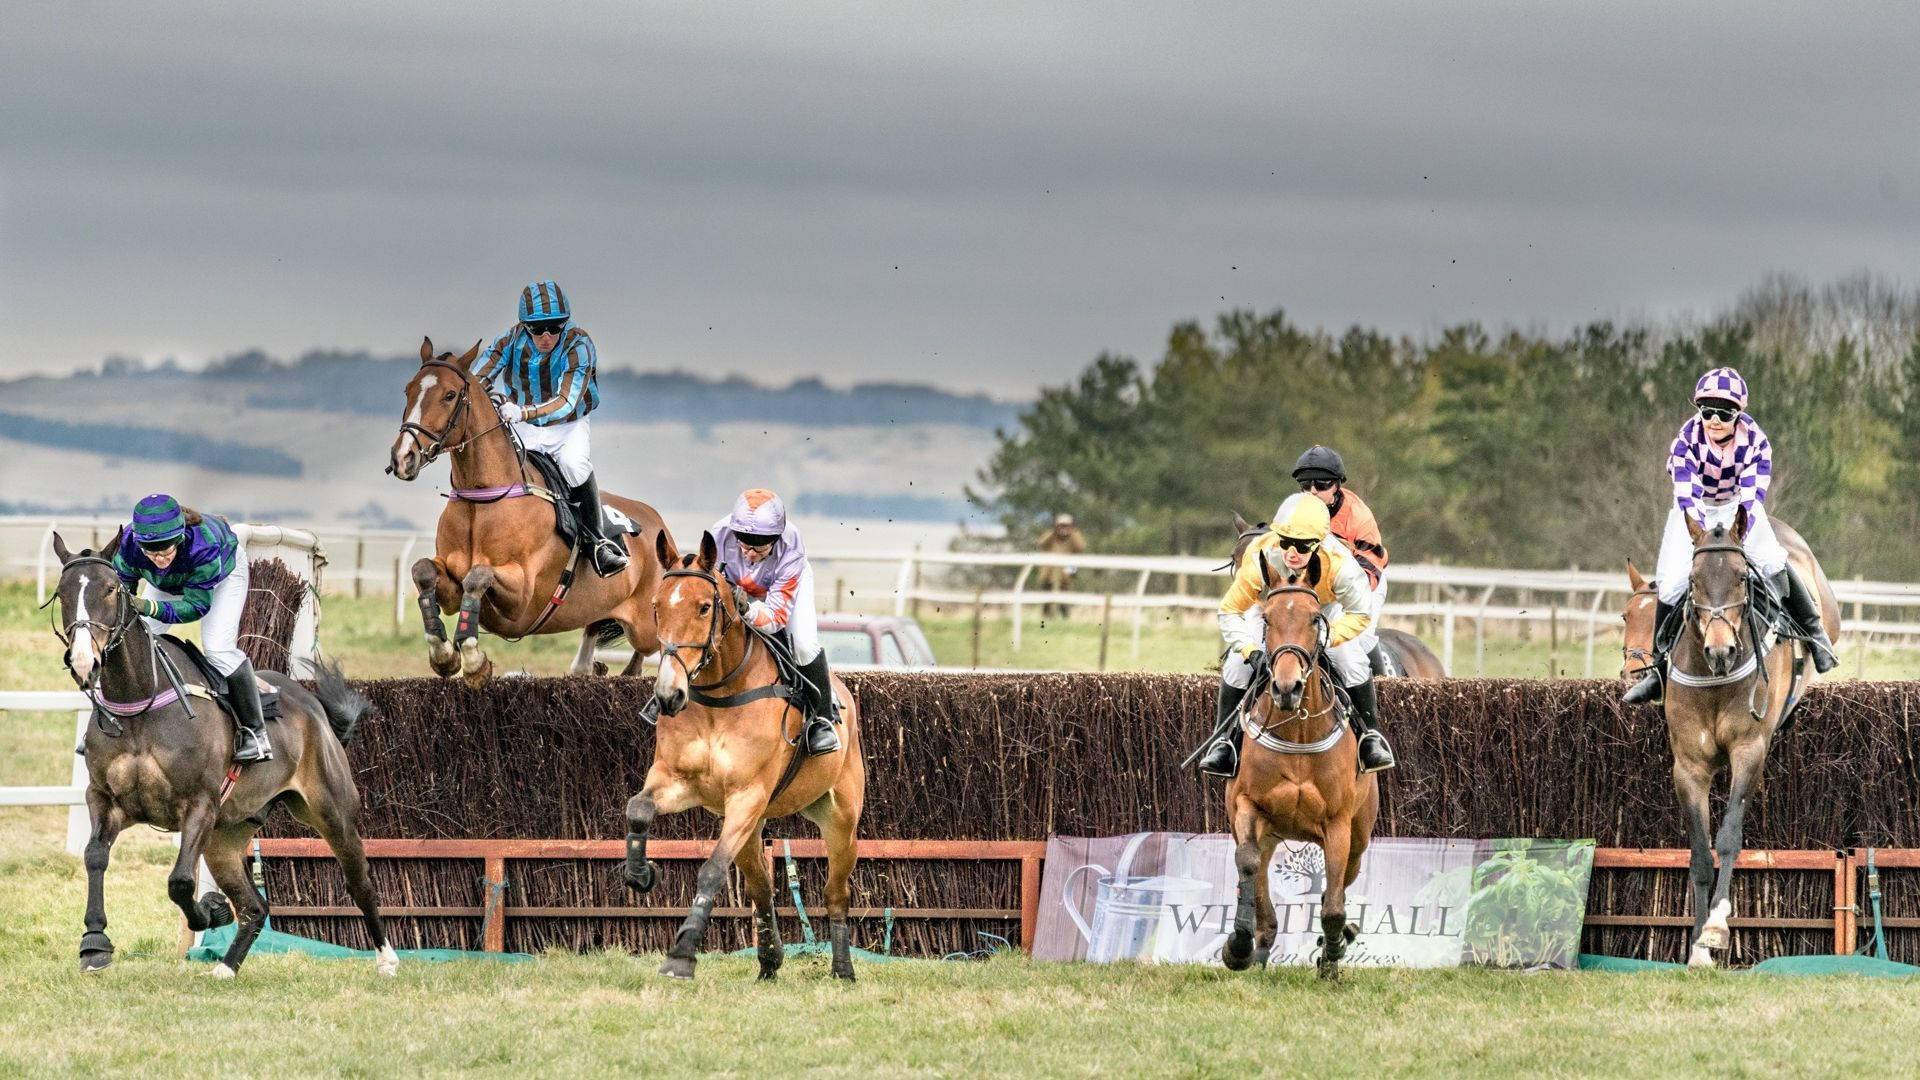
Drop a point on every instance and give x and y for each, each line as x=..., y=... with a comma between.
x=112, y=632
x=716, y=627
x=1632, y=654
x=435, y=442
x=1309, y=660
x=1718, y=612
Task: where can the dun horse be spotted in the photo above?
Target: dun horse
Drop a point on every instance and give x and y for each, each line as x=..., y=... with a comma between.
x=159, y=752
x=1727, y=695
x=497, y=560
x=1299, y=780
x=728, y=744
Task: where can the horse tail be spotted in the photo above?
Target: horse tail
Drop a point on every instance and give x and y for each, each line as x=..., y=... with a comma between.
x=607, y=631
x=345, y=706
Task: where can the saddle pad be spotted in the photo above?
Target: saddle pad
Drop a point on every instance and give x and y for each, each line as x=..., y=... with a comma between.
x=615, y=523
x=198, y=664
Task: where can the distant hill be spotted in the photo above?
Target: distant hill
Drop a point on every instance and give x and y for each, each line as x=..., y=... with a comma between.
x=359, y=382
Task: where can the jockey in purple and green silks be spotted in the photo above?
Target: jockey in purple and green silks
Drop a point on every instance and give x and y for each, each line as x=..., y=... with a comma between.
x=545, y=366
x=195, y=570
x=1720, y=463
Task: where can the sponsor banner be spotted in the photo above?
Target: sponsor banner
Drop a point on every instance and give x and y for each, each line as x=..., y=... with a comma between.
x=1171, y=897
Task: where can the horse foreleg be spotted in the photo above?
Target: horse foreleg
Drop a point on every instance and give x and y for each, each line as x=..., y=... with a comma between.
x=430, y=580
x=1266, y=920
x=475, y=668
x=1238, y=952
x=843, y=849
x=756, y=880
x=96, y=949
x=1745, y=762
x=1335, y=930
x=1693, y=784
x=195, y=826
x=745, y=812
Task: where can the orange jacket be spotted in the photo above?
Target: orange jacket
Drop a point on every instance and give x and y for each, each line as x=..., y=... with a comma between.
x=1353, y=523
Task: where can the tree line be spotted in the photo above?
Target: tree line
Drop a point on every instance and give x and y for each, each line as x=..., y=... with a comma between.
x=1512, y=448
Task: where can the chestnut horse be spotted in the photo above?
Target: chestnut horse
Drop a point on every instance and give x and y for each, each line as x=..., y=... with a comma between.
x=159, y=752
x=1400, y=653
x=497, y=560
x=1726, y=697
x=1299, y=779
x=729, y=744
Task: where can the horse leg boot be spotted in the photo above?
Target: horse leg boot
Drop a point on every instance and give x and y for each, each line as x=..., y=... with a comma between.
x=1375, y=753
x=1223, y=755
x=823, y=712
x=608, y=559
x=1800, y=604
x=641, y=873
x=1666, y=629
x=475, y=668
x=441, y=654
x=245, y=694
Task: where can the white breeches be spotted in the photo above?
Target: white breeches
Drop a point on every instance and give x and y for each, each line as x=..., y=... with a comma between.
x=1676, y=548
x=220, y=626
x=1352, y=662
x=570, y=445
x=803, y=622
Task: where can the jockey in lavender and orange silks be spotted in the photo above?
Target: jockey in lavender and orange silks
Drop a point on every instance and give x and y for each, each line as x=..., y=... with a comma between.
x=762, y=554
x=1721, y=462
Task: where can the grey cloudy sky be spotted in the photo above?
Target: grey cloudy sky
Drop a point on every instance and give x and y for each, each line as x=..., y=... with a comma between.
x=979, y=194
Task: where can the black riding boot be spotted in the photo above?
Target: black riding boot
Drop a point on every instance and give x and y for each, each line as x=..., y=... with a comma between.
x=251, y=745
x=1375, y=753
x=608, y=557
x=1223, y=755
x=1665, y=630
x=823, y=712
x=1799, y=602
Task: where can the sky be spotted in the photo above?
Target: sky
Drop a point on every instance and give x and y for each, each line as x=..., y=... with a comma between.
x=980, y=195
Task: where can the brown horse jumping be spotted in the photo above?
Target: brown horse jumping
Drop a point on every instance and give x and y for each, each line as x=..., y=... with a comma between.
x=159, y=757
x=729, y=744
x=497, y=561
x=1299, y=780
x=1727, y=694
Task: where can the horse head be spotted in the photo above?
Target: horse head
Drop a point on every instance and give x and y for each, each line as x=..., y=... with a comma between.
x=438, y=410
x=1295, y=631
x=95, y=609
x=1717, y=594
x=1636, y=645
x=694, y=612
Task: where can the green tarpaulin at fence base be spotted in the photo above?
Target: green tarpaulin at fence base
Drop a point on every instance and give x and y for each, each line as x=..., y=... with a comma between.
x=214, y=943
x=1864, y=966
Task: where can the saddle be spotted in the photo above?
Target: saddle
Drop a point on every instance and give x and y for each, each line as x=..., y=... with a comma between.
x=566, y=523
x=216, y=688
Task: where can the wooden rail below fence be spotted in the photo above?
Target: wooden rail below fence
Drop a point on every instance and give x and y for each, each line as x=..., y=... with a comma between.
x=1846, y=869
x=493, y=855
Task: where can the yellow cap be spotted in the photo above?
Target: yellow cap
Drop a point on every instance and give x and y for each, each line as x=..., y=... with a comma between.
x=1302, y=517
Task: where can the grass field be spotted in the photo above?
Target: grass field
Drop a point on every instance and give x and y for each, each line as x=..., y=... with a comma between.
x=578, y=1015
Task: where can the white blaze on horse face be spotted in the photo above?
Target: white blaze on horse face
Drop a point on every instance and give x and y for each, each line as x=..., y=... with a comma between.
x=429, y=381
x=82, y=635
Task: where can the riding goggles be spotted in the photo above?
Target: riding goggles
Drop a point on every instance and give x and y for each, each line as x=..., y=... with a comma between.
x=1319, y=485
x=1298, y=545
x=552, y=326
x=1723, y=415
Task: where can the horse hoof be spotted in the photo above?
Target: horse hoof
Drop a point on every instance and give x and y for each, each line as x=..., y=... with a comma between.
x=1329, y=970
x=215, y=910
x=1260, y=956
x=387, y=962
x=221, y=972
x=95, y=961
x=1701, y=959
x=442, y=657
x=643, y=880
x=846, y=972
x=599, y=669
x=1238, y=955
x=678, y=967
x=1713, y=937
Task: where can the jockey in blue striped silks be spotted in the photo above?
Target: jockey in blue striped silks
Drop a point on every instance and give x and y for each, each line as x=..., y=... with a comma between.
x=1720, y=462
x=545, y=366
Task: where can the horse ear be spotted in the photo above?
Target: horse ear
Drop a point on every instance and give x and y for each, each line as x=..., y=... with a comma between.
x=1239, y=524
x=119, y=537
x=709, y=552
x=1740, y=523
x=1693, y=529
x=60, y=549
x=1633, y=577
x=467, y=358
x=662, y=553
x=426, y=349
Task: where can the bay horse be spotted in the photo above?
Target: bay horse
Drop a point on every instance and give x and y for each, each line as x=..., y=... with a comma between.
x=1400, y=653
x=497, y=561
x=1727, y=695
x=1299, y=779
x=159, y=753
x=730, y=745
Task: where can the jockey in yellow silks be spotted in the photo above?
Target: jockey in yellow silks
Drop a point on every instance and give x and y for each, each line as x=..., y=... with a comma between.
x=1298, y=538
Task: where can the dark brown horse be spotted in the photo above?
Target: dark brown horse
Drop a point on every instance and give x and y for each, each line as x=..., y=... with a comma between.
x=1299, y=779
x=728, y=744
x=1400, y=653
x=1725, y=698
x=497, y=561
x=159, y=753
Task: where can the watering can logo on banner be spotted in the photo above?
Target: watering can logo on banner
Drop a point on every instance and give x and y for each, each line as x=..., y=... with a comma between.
x=1167, y=917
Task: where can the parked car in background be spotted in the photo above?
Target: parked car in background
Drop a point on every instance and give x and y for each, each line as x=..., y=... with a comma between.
x=878, y=640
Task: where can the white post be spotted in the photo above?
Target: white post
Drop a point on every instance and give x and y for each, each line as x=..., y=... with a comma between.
x=1593, y=616
x=1019, y=586
x=1480, y=634
x=1446, y=640
x=1139, y=609
x=399, y=583
x=79, y=822
x=901, y=585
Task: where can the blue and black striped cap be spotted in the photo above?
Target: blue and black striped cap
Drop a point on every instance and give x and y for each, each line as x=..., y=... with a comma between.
x=543, y=301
